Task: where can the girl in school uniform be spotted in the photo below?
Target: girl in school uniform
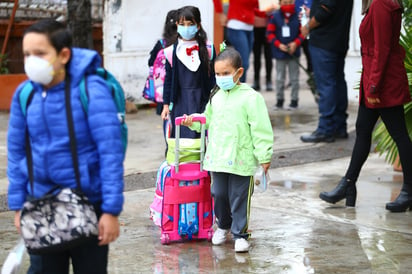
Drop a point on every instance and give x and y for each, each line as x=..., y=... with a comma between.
x=190, y=74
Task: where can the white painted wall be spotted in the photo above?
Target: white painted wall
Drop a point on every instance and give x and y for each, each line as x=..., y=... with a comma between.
x=131, y=29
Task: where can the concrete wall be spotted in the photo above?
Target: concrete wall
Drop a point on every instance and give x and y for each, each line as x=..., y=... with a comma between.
x=131, y=29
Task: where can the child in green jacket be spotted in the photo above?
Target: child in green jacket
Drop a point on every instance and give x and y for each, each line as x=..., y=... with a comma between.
x=240, y=138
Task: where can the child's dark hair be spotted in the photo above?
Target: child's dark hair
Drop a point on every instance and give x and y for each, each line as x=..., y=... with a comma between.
x=192, y=13
x=57, y=33
x=170, y=28
x=233, y=57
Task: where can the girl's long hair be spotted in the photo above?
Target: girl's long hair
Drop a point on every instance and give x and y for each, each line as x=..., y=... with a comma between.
x=192, y=13
x=170, y=28
x=367, y=3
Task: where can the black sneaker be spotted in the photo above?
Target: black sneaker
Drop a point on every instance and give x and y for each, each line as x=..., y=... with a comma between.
x=293, y=104
x=269, y=86
x=256, y=85
x=279, y=104
x=341, y=135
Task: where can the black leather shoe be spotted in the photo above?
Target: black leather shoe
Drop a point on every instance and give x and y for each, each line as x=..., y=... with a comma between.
x=316, y=137
x=401, y=203
x=341, y=135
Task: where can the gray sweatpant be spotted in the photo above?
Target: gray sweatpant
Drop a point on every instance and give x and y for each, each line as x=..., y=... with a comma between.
x=232, y=194
x=293, y=68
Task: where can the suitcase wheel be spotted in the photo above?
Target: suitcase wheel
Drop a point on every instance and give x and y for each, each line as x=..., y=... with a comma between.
x=164, y=239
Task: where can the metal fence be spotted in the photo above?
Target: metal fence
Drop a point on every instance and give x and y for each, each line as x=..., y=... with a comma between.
x=35, y=9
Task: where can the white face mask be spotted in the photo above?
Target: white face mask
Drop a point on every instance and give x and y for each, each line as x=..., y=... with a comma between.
x=39, y=70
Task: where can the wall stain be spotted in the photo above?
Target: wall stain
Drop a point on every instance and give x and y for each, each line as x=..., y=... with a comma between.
x=116, y=4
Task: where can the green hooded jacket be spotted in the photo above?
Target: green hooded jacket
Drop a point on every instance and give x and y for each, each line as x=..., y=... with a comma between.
x=240, y=134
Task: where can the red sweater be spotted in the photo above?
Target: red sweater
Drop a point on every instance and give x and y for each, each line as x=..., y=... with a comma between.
x=242, y=10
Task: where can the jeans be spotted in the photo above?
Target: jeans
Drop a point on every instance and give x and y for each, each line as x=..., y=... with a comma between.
x=328, y=68
x=242, y=41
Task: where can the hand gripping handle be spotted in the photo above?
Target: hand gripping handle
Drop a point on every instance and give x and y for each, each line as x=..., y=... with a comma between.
x=195, y=118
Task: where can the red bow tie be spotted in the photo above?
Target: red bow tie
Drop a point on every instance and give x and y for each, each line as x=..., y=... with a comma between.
x=189, y=50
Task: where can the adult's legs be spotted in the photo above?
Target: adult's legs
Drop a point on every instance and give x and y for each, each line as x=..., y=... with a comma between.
x=305, y=46
x=268, y=60
x=340, y=116
x=394, y=119
x=242, y=41
x=325, y=65
x=257, y=51
x=346, y=188
x=365, y=122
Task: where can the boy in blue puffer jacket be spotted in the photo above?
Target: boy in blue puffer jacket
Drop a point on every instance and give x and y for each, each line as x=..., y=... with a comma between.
x=49, y=61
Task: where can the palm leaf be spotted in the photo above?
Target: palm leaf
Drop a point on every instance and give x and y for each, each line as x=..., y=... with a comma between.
x=384, y=142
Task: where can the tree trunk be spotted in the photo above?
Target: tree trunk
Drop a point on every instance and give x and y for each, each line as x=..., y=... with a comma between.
x=80, y=22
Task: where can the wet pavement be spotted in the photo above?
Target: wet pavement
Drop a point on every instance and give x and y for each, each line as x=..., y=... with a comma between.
x=293, y=231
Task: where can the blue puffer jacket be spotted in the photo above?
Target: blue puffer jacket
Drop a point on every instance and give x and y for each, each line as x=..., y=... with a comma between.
x=98, y=137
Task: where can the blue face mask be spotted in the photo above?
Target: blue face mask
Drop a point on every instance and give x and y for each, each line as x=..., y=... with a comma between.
x=225, y=82
x=187, y=32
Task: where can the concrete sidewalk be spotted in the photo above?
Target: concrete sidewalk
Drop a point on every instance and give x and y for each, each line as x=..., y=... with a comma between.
x=293, y=231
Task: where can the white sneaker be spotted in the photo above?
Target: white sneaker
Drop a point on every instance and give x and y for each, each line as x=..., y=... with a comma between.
x=241, y=245
x=219, y=237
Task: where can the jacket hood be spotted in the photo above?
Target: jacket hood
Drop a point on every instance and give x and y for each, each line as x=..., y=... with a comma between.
x=83, y=61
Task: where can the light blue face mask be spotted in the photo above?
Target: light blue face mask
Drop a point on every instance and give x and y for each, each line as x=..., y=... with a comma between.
x=187, y=32
x=225, y=82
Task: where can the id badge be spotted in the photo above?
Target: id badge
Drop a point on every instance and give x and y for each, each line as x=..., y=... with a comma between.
x=285, y=31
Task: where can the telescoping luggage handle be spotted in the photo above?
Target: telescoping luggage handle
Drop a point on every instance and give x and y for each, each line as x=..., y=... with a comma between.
x=195, y=118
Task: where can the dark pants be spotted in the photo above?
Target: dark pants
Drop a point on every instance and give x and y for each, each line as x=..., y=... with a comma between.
x=328, y=67
x=394, y=120
x=232, y=195
x=305, y=47
x=259, y=43
x=89, y=258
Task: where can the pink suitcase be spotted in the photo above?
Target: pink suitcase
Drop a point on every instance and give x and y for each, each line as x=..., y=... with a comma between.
x=187, y=209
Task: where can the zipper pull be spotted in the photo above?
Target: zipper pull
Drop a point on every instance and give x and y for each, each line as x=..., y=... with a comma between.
x=44, y=93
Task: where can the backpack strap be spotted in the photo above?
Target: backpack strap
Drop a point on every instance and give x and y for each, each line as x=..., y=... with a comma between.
x=162, y=43
x=84, y=94
x=84, y=90
x=25, y=97
x=169, y=54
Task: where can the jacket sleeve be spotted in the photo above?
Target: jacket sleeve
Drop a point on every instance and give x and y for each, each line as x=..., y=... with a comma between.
x=326, y=10
x=382, y=37
x=104, y=127
x=261, y=129
x=271, y=33
x=218, y=6
x=16, y=155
